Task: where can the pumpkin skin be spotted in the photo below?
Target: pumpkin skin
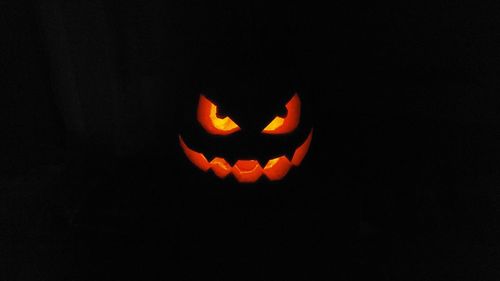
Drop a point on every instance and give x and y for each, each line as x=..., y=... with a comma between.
x=284, y=134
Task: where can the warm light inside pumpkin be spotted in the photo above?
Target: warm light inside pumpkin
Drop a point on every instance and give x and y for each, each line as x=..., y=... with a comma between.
x=248, y=171
x=285, y=125
x=275, y=124
x=207, y=116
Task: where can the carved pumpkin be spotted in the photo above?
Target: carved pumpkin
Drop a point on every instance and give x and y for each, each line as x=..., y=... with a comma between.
x=248, y=170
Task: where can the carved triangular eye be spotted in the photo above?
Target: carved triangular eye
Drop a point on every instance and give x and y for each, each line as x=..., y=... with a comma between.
x=288, y=123
x=211, y=121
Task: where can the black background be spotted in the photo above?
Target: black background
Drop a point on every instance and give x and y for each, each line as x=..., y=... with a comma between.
x=400, y=183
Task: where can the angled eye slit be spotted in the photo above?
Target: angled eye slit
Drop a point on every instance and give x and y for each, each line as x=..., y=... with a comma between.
x=274, y=125
x=288, y=123
x=211, y=121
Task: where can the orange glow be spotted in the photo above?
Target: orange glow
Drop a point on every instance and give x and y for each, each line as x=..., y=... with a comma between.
x=301, y=151
x=207, y=116
x=277, y=168
x=220, y=167
x=248, y=171
x=280, y=125
x=197, y=158
x=274, y=125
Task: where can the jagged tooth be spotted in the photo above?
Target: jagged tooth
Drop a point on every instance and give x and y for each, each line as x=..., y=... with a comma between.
x=209, y=156
x=231, y=162
x=247, y=176
x=289, y=155
x=263, y=165
x=220, y=167
x=279, y=170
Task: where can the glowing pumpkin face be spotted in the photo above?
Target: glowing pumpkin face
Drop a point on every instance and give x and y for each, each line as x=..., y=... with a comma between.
x=246, y=170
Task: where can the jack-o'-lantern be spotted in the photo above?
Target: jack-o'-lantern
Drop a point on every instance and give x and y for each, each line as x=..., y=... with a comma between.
x=283, y=138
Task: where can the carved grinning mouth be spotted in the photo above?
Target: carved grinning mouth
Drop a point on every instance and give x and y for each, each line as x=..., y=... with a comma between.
x=248, y=171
